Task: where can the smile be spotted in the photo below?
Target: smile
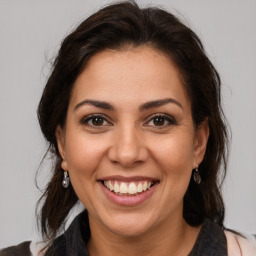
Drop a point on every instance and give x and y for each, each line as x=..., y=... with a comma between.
x=128, y=191
x=133, y=188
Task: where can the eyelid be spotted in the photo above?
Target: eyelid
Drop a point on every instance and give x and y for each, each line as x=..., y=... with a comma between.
x=167, y=117
x=84, y=120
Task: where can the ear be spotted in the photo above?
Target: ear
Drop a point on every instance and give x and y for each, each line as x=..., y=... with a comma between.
x=200, y=144
x=60, y=137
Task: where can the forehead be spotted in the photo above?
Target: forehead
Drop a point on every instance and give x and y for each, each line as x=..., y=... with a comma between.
x=130, y=75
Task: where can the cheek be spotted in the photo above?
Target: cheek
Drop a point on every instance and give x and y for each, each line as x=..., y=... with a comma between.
x=82, y=151
x=174, y=153
x=83, y=157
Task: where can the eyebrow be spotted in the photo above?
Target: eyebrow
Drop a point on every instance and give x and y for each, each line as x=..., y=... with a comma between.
x=159, y=103
x=96, y=103
x=143, y=107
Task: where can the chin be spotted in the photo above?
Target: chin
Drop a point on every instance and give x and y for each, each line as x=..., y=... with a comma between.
x=129, y=226
x=129, y=231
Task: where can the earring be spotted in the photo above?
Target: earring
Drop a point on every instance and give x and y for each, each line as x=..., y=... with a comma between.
x=65, y=181
x=196, y=176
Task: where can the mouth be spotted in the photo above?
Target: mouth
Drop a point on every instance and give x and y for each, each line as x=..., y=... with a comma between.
x=128, y=189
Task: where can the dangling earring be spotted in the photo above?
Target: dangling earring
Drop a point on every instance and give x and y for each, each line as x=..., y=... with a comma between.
x=65, y=181
x=196, y=176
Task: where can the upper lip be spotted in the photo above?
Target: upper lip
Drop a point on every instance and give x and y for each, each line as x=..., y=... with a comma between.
x=128, y=179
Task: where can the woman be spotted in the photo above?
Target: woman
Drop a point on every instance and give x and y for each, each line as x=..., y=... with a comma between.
x=133, y=115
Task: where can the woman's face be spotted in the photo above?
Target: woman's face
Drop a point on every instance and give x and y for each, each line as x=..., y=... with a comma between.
x=129, y=142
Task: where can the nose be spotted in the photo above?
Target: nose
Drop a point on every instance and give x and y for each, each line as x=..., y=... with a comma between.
x=128, y=147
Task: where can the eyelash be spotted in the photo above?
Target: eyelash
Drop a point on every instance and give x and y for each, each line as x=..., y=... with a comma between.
x=87, y=119
x=166, y=118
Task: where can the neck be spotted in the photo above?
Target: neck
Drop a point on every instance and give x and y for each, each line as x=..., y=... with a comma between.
x=175, y=238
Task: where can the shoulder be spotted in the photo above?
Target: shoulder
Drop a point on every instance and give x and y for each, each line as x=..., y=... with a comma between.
x=239, y=245
x=22, y=249
x=28, y=248
x=210, y=241
x=72, y=240
x=34, y=248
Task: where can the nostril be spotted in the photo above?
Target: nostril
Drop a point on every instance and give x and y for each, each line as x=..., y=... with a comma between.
x=128, y=155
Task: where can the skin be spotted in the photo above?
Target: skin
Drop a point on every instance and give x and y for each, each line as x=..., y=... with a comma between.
x=128, y=140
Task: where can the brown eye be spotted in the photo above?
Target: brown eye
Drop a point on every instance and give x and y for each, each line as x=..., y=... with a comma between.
x=97, y=121
x=159, y=121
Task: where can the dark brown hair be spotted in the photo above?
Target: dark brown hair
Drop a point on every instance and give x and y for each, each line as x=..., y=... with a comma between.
x=116, y=27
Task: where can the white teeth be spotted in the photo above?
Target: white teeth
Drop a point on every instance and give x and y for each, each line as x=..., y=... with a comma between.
x=123, y=188
x=116, y=187
x=145, y=186
x=132, y=188
x=110, y=186
x=140, y=187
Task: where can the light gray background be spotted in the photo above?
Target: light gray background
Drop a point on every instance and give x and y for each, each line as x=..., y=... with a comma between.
x=30, y=33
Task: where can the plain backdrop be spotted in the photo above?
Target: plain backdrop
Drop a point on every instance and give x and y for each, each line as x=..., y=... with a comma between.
x=30, y=34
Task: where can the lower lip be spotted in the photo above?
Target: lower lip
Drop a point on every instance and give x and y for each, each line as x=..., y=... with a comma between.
x=128, y=200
